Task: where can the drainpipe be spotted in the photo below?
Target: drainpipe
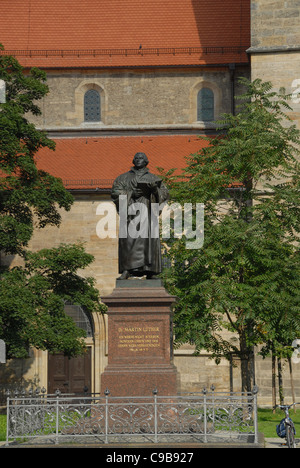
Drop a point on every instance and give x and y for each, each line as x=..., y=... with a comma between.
x=232, y=81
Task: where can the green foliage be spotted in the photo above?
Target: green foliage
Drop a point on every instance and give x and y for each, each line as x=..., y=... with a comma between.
x=32, y=297
x=32, y=301
x=26, y=193
x=2, y=427
x=246, y=277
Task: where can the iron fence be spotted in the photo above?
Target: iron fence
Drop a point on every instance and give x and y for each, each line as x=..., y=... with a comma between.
x=206, y=417
x=94, y=183
x=126, y=52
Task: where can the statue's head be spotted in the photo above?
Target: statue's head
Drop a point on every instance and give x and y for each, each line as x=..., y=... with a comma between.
x=140, y=160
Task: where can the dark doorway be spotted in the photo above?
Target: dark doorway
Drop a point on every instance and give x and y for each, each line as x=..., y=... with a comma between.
x=69, y=375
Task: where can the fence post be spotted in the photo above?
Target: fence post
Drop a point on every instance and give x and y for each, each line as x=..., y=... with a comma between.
x=7, y=417
x=155, y=414
x=106, y=393
x=213, y=404
x=57, y=416
x=254, y=393
x=205, y=415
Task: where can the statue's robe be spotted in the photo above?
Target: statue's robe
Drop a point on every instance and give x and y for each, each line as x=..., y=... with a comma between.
x=139, y=255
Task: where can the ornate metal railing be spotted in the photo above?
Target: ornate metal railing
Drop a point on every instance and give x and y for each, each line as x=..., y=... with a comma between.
x=206, y=417
x=127, y=52
x=88, y=183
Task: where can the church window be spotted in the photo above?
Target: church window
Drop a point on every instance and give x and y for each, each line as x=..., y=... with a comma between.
x=205, y=105
x=81, y=318
x=92, y=106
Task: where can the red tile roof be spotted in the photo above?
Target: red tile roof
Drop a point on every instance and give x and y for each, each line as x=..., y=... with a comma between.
x=76, y=33
x=95, y=162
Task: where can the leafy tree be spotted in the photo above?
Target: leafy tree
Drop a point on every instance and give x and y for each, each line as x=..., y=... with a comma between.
x=26, y=192
x=32, y=297
x=245, y=279
x=32, y=301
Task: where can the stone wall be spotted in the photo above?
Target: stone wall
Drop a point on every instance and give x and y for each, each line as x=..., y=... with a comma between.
x=79, y=225
x=283, y=70
x=275, y=23
x=134, y=98
x=275, y=47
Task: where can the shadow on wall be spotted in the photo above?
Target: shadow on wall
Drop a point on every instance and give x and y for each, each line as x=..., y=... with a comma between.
x=12, y=377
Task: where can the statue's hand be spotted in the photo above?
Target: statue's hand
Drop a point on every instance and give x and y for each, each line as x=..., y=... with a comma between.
x=137, y=193
x=153, y=187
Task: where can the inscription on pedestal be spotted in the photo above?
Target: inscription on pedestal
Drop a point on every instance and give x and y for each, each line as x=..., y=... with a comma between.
x=138, y=339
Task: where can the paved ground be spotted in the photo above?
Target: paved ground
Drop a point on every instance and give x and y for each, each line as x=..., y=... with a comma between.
x=266, y=443
x=278, y=443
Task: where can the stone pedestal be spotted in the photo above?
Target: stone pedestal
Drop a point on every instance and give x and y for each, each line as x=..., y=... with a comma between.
x=140, y=356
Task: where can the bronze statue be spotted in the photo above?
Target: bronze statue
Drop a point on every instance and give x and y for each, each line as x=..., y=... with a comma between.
x=142, y=191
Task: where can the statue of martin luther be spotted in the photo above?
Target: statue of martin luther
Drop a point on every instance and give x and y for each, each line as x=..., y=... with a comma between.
x=140, y=255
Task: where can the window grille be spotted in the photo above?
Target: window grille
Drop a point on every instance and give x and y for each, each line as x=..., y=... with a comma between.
x=92, y=106
x=81, y=318
x=205, y=105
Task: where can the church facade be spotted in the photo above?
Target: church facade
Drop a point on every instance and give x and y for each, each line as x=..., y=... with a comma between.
x=127, y=77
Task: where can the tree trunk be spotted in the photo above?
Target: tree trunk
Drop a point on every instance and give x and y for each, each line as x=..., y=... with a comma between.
x=292, y=382
x=247, y=365
x=273, y=382
x=280, y=381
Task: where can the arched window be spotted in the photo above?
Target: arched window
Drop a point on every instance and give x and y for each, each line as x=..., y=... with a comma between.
x=92, y=106
x=81, y=318
x=205, y=105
